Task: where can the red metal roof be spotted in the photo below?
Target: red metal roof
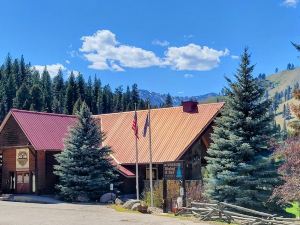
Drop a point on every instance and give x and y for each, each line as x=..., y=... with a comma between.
x=173, y=131
x=45, y=131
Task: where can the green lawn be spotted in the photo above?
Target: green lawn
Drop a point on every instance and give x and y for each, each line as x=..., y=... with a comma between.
x=295, y=209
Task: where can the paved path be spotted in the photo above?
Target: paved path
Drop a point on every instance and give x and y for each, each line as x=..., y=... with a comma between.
x=16, y=213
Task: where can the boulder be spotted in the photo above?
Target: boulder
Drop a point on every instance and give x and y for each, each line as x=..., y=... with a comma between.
x=108, y=197
x=82, y=198
x=118, y=201
x=136, y=206
x=130, y=203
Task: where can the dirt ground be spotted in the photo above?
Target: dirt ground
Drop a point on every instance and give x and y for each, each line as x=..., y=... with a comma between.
x=16, y=213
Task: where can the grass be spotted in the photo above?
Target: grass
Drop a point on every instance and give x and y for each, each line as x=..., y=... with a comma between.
x=119, y=208
x=295, y=209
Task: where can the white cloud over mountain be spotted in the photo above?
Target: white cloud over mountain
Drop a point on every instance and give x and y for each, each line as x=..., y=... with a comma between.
x=52, y=68
x=104, y=52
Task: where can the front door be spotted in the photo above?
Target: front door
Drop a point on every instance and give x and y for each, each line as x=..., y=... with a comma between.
x=23, y=182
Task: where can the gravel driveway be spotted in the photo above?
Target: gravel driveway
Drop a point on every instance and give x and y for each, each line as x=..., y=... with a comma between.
x=15, y=213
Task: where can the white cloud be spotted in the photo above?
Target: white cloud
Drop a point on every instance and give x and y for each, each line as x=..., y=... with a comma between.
x=75, y=72
x=106, y=53
x=52, y=69
x=188, y=75
x=193, y=57
x=235, y=57
x=188, y=36
x=290, y=3
x=160, y=43
x=67, y=61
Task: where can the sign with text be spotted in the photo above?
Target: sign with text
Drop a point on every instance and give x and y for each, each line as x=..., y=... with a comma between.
x=174, y=170
x=22, y=159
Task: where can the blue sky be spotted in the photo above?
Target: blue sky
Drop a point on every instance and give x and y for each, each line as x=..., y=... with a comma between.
x=181, y=47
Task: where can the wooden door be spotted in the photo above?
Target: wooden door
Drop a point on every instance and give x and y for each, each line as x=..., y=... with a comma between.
x=23, y=182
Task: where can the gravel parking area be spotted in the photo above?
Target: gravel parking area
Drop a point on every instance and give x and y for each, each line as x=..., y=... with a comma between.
x=16, y=213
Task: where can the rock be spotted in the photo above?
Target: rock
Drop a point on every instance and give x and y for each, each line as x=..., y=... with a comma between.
x=82, y=198
x=135, y=206
x=155, y=210
x=108, y=197
x=130, y=203
x=118, y=201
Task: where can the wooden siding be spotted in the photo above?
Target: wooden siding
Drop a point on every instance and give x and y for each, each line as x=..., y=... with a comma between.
x=12, y=135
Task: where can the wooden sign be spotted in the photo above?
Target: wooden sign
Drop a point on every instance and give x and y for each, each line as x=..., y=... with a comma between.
x=22, y=159
x=174, y=170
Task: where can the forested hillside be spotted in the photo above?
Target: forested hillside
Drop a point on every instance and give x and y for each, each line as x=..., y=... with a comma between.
x=23, y=87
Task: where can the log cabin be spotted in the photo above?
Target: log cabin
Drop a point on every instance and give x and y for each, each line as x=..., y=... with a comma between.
x=29, y=141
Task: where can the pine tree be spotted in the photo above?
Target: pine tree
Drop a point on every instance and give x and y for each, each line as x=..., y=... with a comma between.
x=135, y=97
x=169, y=101
x=71, y=94
x=22, y=99
x=46, y=90
x=284, y=111
x=77, y=106
x=89, y=93
x=240, y=169
x=96, y=101
x=58, y=88
x=80, y=87
x=288, y=115
x=36, y=95
x=118, y=100
x=84, y=168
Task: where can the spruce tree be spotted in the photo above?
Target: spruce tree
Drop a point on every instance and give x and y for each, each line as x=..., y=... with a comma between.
x=84, y=168
x=22, y=99
x=169, y=101
x=46, y=90
x=58, y=89
x=239, y=164
x=80, y=87
x=71, y=94
x=36, y=101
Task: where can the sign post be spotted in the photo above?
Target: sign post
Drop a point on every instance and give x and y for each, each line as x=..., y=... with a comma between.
x=173, y=171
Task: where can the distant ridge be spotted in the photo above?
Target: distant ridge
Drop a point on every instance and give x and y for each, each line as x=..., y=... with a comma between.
x=158, y=99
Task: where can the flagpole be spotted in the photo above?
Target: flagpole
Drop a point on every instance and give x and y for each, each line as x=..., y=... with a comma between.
x=150, y=156
x=136, y=162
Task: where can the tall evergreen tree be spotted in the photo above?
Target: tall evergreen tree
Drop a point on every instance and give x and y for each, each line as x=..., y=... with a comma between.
x=80, y=87
x=71, y=94
x=84, y=168
x=36, y=94
x=135, y=97
x=118, y=100
x=96, y=101
x=58, y=89
x=46, y=90
x=240, y=168
x=22, y=99
x=169, y=101
x=89, y=93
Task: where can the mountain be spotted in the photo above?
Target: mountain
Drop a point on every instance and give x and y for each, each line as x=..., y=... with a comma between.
x=278, y=84
x=158, y=99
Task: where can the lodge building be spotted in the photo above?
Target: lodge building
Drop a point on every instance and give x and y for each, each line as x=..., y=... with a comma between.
x=29, y=141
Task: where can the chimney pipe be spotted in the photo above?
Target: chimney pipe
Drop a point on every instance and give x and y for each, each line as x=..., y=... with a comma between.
x=190, y=106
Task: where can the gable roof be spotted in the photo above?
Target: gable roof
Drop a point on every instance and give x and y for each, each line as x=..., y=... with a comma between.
x=45, y=131
x=173, y=132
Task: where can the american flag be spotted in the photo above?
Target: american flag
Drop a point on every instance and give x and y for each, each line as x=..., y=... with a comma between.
x=135, y=126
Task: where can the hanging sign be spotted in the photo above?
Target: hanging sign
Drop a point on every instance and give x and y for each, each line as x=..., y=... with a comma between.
x=174, y=170
x=22, y=159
